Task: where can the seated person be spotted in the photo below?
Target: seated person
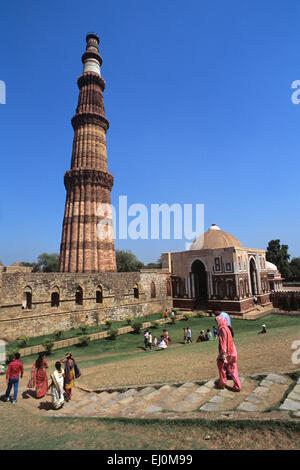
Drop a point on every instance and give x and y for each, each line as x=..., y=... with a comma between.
x=263, y=329
x=208, y=335
x=162, y=344
x=201, y=337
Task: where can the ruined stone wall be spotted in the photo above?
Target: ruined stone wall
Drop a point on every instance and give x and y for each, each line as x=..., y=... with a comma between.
x=119, y=300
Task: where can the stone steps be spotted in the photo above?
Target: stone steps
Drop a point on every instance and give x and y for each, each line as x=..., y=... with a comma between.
x=258, y=395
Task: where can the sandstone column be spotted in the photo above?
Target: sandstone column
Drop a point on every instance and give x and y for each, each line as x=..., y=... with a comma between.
x=87, y=243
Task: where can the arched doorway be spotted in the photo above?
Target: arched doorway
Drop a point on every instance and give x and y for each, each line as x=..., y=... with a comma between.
x=200, y=284
x=253, y=277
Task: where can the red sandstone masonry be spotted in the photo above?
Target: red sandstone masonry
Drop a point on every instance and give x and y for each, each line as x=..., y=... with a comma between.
x=88, y=182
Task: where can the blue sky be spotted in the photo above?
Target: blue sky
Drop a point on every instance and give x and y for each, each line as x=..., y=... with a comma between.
x=198, y=97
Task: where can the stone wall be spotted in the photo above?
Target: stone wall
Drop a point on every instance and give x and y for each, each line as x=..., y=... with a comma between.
x=122, y=295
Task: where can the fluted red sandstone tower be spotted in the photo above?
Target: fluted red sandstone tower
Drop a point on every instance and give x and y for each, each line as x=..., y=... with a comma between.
x=87, y=243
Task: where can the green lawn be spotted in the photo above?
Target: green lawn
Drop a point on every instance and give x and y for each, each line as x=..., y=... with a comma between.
x=104, y=351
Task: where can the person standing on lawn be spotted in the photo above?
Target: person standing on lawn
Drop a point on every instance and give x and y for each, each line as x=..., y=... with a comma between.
x=227, y=358
x=150, y=341
x=14, y=370
x=146, y=337
x=38, y=378
x=189, y=335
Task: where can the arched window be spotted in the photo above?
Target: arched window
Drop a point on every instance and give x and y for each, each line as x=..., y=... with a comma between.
x=219, y=289
x=230, y=289
x=241, y=289
x=153, y=290
x=99, y=295
x=79, y=296
x=27, y=298
x=55, y=299
x=136, y=292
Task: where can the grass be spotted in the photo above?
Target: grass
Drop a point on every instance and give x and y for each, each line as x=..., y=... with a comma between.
x=75, y=332
x=24, y=431
x=107, y=363
x=180, y=362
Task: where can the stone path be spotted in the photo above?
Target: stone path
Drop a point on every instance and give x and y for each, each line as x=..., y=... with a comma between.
x=265, y=397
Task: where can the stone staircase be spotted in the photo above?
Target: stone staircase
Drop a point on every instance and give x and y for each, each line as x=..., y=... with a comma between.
x=259, y=397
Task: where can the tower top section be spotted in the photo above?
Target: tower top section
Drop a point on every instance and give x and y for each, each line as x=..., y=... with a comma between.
x=91, y=58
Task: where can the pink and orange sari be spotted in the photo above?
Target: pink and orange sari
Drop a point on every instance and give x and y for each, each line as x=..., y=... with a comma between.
x=227, y=358
x=39, y=379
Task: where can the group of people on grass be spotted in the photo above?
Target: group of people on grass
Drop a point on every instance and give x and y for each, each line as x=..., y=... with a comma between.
x=163, y=344
x=62, y=378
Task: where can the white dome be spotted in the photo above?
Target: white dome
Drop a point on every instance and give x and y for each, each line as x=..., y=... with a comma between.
x=215, y=238
x=271, y=266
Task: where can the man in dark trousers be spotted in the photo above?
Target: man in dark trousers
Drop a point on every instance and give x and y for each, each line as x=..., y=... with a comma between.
x=13, y=372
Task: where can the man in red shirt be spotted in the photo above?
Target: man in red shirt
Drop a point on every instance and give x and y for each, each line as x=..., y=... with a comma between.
x=12, y=377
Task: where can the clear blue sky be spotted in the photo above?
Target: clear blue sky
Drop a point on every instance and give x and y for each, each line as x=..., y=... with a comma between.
x=199, y=102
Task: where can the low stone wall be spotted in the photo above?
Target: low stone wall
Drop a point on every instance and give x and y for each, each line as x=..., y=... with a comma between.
x=122, y=295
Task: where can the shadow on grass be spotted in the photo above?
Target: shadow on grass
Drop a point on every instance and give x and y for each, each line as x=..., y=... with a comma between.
x=28, y=394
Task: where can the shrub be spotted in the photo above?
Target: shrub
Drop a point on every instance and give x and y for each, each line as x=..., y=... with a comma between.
x=22, y=341
x=83, y=328
x=108, y=323
x=113, y=333
x=186, y=316
x=200, y=314
x=176, y=311
x=48, y=345
x=10, y=354
x=137, y=327
x=155, y=324
x=57, y=334
x=129, y=320
x=286, y=304
x=83, y=340
x=293, y=303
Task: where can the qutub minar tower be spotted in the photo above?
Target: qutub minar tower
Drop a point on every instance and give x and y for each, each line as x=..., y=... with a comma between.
x=87, y=243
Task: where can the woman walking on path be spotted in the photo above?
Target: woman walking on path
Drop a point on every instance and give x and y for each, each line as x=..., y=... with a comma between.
x=57, y=386
x=227, y=358
x=71, y=372
x=39, y=378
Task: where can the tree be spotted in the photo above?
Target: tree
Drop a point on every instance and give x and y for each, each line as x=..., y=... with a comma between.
x=47, y=263
x=35, y=267
x=156, y=265
x=127, y=262
x=278, y=255
x=295, y=269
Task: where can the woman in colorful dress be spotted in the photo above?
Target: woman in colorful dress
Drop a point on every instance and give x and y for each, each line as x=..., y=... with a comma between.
x=39, y=378
x=227, y=358
x=71, y=372
x=57, y=386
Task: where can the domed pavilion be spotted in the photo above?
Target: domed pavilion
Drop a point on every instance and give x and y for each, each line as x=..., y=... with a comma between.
x=219, y=272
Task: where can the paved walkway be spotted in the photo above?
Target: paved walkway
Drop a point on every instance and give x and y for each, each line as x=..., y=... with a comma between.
x=273, y=396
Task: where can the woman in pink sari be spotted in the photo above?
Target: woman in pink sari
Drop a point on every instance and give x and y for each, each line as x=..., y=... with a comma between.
x=227, y=358
x=39, y=378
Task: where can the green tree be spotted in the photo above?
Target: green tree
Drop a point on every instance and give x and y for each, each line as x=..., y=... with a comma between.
x=47, y=263
x=278, y=255
x=35, y=267
x=127, y=262
x=295, y=269
x=156, y=265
